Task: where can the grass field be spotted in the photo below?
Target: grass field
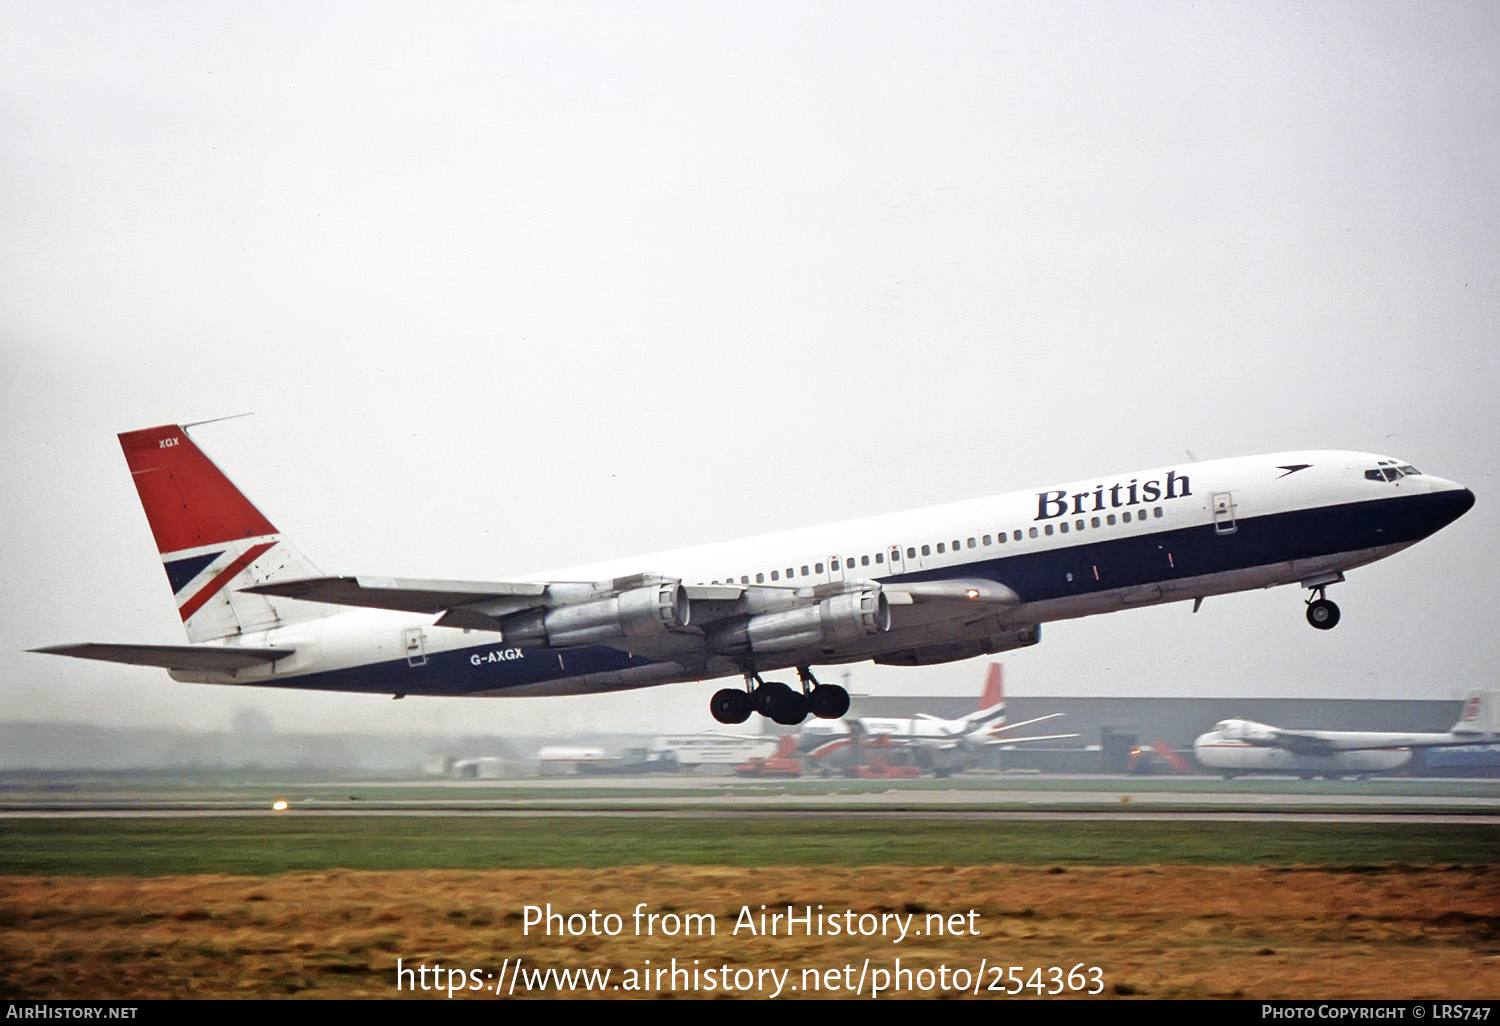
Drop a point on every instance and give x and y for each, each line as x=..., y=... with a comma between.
x=1152, y=931
x=267, y=845
x=308, y=905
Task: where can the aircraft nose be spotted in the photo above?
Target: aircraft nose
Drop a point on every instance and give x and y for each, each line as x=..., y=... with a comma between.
x=1450, y=501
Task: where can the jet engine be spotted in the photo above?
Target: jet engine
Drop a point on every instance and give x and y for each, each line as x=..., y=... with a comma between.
x=636, y=613
x=842, y=617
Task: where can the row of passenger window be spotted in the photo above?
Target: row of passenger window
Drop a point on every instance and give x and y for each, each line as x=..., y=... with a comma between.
x=878, y=559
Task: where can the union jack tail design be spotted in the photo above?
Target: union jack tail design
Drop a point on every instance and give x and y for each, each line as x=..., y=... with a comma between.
x=991, y=712
x=212, y=540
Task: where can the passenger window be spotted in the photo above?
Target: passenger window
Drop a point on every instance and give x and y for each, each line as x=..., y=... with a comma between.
x=1017, y=535
x=745, y=579
x=775, y=575
x=956, y=545
x=940, y=549
x=971, y=543
x=1063, y=527
x=1048, y=529
x=880, y=557
x=986, y=540
x=1158, y=512
x=1095, y=521
x=804, y=569
x=1031, y=532
x=834, y=566
x=926, y=550
x=1110, y=519
x=911, y=552
x=1125, y=517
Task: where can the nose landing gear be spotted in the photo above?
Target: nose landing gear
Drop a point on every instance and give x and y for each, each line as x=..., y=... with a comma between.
x=1321, y=612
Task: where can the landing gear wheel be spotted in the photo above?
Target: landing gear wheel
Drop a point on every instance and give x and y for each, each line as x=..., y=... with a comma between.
x=767, y=696
x=828, y=701
x=730, y=706
x=1323, y=614
x=790, y=709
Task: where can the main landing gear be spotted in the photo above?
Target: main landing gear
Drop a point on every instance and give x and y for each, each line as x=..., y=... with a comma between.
x=778, y=701
x=1321, y=612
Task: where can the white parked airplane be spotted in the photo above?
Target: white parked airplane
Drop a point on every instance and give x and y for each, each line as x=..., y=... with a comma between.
x=1244, y=746
x=938, y=745
x=928, y=586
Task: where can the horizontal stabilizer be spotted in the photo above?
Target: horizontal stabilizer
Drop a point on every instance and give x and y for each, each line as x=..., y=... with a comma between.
x=173, y=657
x=410, y=596
x=1027, y=723
x=999, y=742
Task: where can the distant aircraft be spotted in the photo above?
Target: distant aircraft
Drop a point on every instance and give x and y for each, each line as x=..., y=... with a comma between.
x=910, y=589
x=782, y=762
x=1244, y=746
x=937, y=745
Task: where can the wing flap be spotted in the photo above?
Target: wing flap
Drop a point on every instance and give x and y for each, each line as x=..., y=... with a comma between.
x=173, y=657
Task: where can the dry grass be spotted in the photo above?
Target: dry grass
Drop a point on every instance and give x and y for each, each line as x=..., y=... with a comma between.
x=1163, y=932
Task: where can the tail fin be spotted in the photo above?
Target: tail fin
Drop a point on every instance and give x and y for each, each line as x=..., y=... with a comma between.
x=990, y=716
x=212, y=540
x=1480, y=715
x=994, y=689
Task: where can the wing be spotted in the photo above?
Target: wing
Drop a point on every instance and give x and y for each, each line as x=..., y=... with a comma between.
x=1299, y=742
x=174, y=657
x=661, y=617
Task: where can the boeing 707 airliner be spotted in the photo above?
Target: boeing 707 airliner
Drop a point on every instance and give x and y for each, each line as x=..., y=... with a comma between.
x=927, y=586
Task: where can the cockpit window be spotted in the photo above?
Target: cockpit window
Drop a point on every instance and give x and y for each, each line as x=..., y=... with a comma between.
x=1390, y=472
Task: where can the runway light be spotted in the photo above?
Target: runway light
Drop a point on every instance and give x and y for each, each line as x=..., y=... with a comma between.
x=279, y=805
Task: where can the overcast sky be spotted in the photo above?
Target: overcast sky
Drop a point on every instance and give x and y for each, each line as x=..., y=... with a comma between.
x=511, y=286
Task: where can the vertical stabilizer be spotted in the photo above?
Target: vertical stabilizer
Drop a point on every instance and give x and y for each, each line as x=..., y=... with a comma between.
x=990, y=716
x=1480, y=715
x=212, y=540
x=994, y=688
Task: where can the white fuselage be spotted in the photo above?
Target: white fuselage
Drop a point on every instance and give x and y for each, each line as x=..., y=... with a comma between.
x=1232, y=758
x=1098, y=545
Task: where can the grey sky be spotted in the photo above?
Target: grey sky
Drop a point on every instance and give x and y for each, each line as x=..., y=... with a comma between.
x=511, y=286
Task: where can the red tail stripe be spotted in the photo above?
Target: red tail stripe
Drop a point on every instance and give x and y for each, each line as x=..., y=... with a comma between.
x=216, y=585
x=188, y=501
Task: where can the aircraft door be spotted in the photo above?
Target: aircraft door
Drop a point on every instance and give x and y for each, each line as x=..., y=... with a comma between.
x=897, y=561
x=836, y=569
x=415, y=645
x=1222, y=504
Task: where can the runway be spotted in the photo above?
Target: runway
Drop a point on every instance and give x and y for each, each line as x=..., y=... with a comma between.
x=976, y=797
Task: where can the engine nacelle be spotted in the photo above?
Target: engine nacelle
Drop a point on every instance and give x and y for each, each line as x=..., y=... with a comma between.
x=843, y=617
x=930, y=655
x=637, y=613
